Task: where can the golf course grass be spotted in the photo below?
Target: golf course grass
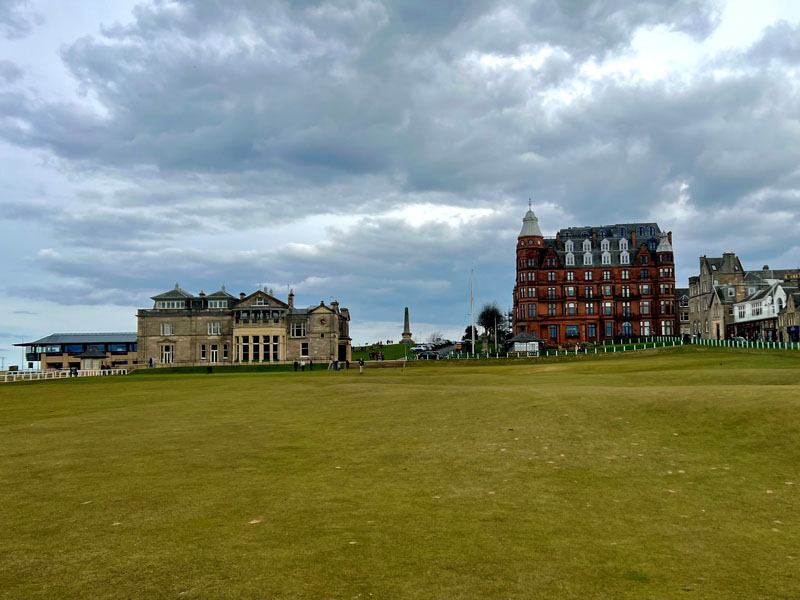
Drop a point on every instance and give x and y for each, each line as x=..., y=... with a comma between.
x=663, y=474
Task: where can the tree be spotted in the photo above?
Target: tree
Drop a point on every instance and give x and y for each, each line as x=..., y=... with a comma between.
x=436, y=335
x=491, y=318
x=468, y=333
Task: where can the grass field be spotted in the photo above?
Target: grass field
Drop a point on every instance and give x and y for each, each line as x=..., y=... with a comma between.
x=664, y=474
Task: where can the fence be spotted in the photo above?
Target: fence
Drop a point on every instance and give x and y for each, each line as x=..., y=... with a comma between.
x=12, y=376
x=631, y=345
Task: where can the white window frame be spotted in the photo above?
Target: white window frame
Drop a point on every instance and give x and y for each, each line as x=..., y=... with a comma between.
x=213, y=328
x=298, y=329
x=167, y=329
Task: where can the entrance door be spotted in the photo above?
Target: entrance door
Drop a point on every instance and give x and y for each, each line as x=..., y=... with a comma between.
x=214, y=353
x=342, y=353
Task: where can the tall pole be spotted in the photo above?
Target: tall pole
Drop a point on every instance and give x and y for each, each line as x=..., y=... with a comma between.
x=472, y=306
x=495, y=332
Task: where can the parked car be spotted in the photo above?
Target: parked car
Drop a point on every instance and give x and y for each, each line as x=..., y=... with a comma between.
x=419, y=349
x=428, y=356
x=739, y=339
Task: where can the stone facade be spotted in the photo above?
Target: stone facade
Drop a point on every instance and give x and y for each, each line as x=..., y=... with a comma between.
x=183, y=329
x=720, y=285
x=589, y=284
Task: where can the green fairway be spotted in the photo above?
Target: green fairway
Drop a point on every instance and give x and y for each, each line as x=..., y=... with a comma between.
x=661, y=474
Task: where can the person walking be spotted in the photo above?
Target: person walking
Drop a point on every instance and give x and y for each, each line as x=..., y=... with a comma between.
x=310, y=364
x=360, y=366
x=303, y=365
x=295, y=366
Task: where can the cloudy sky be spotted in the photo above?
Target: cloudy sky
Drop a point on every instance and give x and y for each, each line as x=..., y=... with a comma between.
x=375, y=151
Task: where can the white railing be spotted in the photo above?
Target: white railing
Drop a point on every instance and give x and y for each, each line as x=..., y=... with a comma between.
x=11, y=376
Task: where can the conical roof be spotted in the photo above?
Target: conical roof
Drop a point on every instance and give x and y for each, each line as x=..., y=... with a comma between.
x=530, y=225
x=663, y=244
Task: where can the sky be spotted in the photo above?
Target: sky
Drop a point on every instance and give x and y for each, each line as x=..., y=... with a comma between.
x=377, y=152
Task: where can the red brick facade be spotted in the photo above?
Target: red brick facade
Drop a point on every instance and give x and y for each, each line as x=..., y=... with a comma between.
x=590, y=284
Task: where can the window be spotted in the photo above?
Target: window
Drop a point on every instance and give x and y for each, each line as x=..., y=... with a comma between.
x=245, y=354
x=589, y=291
x=640, y=231
x=170, y=304
x=644, y=289
x=627, y=329
x=570, y=290
x=167, y=353
x=644, y=327
x=652, y=245
x=531, y=262
x=591, y=330
x=587, y=258
x=214, y=353
x=626, y=291
x=531, y=292
x=275, y=347
x=551, y=310
x=608, y=308
x=304, y=349
x=609, y=328
x=606, y=275
x=551, y=293
x=606, y=258
x=213, y=328
x=572, y=331
x=666, y=327
x=587, y=245
x=741, y=311
x=167, y=329
x=626, y=309
x=551, y=276
x=623, y=232
x=115, y=348
x=572, y=309
x=644, y=259
x=644, y=307
x=651, y=230
x=224, y=351
x=570, y=275
x=626, y=274
x=553, y=331
x=756, y=309
x=608, y=290
x=605, y=245
x=531, y=311
x=299, y=329
x=624, y=258
x=217, y=304
x=570, y=259
x=590, y=308
x=202, y=351
x=623, y=244
x=587, y=275
x=644, y=274
x=569, y=246
x=522, y=292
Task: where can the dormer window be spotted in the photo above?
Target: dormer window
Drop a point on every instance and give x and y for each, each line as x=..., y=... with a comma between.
x=570, y=259
x=260, y=301
x=623, y=232
x=623, y=244
x=624, y=258
x=640, y=231
x=587, y=245
x=587, y=258
x=605, y=245
x=217, y=304
x=569, y=246
x=606, y=258
x=170, y=304
x=651, y=230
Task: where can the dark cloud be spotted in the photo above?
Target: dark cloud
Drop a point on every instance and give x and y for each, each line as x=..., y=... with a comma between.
x=17, y=19
x=204, y=119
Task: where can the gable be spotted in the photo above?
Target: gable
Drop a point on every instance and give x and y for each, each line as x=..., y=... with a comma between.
x=260, y=299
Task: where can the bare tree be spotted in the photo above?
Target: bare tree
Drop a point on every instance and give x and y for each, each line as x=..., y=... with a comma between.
x=434, y=336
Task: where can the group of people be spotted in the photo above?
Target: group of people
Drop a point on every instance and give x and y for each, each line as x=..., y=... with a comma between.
x=335, y=365
x=302, y=365
x=377, y=355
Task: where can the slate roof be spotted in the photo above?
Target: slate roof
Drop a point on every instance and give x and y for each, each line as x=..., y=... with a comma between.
x=523, y=338
x=220, y=294
x=175, y=293
x=530, y=225
x=681, y=292
x=84, y=338
x=578, y=234
x=762, y=274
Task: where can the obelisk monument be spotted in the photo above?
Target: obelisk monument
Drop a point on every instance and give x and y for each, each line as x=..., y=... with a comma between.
x=406, y=330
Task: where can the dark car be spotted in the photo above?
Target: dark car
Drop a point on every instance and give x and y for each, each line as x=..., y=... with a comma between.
x=428, y=356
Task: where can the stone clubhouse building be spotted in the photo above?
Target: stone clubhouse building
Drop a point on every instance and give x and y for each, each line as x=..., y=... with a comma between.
x=184, y=329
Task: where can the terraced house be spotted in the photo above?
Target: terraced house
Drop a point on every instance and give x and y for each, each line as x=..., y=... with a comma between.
x=219, y=328
x=589, y=284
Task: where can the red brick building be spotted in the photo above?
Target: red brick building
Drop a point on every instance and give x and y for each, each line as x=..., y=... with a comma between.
x=590, y=284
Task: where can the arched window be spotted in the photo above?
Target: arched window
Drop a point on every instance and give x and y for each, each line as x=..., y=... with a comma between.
x=605, y=245
x=625, y=258
x=623, y=232
x=627, y=329
x=587, y=258
x=651, y=230
x=587, y=245
x=586, y=234
x=640, y=231
x=569, y=246
x=570, y=259
x=606, y=258
x=602, y=233
x=567, y=234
